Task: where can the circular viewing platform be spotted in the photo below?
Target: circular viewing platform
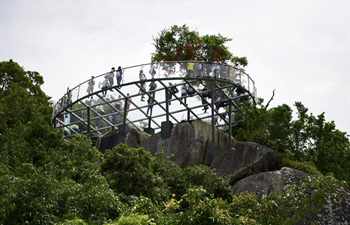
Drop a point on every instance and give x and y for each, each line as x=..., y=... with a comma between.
x=153, y=97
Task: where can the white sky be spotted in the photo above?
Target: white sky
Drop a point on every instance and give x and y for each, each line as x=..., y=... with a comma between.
x=301, y=48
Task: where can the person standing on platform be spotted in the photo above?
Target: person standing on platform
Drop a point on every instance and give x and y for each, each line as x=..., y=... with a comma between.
x=91, y=85
x=68, y=97
x=150, y=101
x=110, y=77
x=152, y=88
x=184, y=93
x=190, y=69
x=152, y=70
x=171, y=90
x=119, y=76
x=142, y=90
x=104, y=86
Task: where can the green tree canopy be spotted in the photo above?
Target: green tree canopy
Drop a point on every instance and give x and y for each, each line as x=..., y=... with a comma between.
x=179, y=43
x=306, y=138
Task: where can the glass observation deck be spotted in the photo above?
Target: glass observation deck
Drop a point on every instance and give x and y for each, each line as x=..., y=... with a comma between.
x=147, y=95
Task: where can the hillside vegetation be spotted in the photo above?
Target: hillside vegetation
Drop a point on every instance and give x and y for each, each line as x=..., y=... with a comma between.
x=45, y=179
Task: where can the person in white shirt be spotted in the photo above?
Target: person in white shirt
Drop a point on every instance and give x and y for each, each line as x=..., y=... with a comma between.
x=104, y=86
x=91, y=85
x=110, y=77
x=152, y=70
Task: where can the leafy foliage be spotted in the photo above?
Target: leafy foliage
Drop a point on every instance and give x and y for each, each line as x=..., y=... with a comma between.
x=45, y=179
x=131, y=171
x=306, y=138
x=179, y=43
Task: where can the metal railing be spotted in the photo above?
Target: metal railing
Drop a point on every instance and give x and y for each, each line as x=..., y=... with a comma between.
x=188, y=69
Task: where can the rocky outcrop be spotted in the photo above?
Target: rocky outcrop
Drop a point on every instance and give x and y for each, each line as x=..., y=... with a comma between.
x=244, y=159
x=192, y=143
x=330, y=212
x=251, y=167
x=267, y=182
x=333, y=212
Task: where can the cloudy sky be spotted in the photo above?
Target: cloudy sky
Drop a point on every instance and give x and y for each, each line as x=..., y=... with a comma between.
x=301, y=48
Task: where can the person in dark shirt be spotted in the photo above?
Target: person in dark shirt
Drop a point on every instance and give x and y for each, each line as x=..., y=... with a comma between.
x=171, y=90
x=119, y=75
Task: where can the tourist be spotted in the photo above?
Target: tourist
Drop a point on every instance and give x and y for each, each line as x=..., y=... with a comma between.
x=184, y=93
x=91, y=85
x=119, y=76
x=190, y=69
x=205, y=94
x=171, y=90
x=104, y=86
x=199, y=70
x=110, y=77
x=152, y=70
x=142, y=90
x=150, y=103
x=152, y=88
x=68, y=97
x=151, y=96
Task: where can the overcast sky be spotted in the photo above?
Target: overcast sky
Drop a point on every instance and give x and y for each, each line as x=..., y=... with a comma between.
x=301, y=48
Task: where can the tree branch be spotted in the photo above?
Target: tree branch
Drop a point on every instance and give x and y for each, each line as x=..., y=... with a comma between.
x=268, y=103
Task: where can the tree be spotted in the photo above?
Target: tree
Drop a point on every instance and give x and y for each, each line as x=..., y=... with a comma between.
x=179, y=43
x=307, y=138
x=21, y=97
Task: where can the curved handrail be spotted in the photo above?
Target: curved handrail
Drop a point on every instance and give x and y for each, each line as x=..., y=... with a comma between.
x=237, y=75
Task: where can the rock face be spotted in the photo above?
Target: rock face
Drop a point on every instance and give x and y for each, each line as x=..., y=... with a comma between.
x=333, y=212
x=337, y=213
x=192, y=143
x=244, y=159
x=276, y=181
x=267, y=182
x=251, y=167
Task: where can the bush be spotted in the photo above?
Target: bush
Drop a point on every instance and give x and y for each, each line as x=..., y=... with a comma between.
x=307, y=166
x=132, y=171
x=201, y=175
x=75, y=221
x=202, y=209
x=134, y=219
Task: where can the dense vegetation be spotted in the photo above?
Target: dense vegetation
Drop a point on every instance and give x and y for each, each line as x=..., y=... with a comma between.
x=45, y=179
x=307, y=142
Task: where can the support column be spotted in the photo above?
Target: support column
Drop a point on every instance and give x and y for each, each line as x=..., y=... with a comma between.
x=212, y=114
x=167, y=104
x=88, y=121
x=126, y=103
x=230, y=120
x=166, y=126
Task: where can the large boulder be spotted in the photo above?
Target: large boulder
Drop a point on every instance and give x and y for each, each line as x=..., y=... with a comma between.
x=244, y=159
x=130, y=136
x=267, y=182
x=192, y=143
x=330, y=212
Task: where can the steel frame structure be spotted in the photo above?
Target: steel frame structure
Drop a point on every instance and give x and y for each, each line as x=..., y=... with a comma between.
x=99, y=112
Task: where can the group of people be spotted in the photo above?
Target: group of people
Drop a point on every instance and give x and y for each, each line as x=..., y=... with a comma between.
x=190, y=69
x=193, y=69
x=107, y=82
